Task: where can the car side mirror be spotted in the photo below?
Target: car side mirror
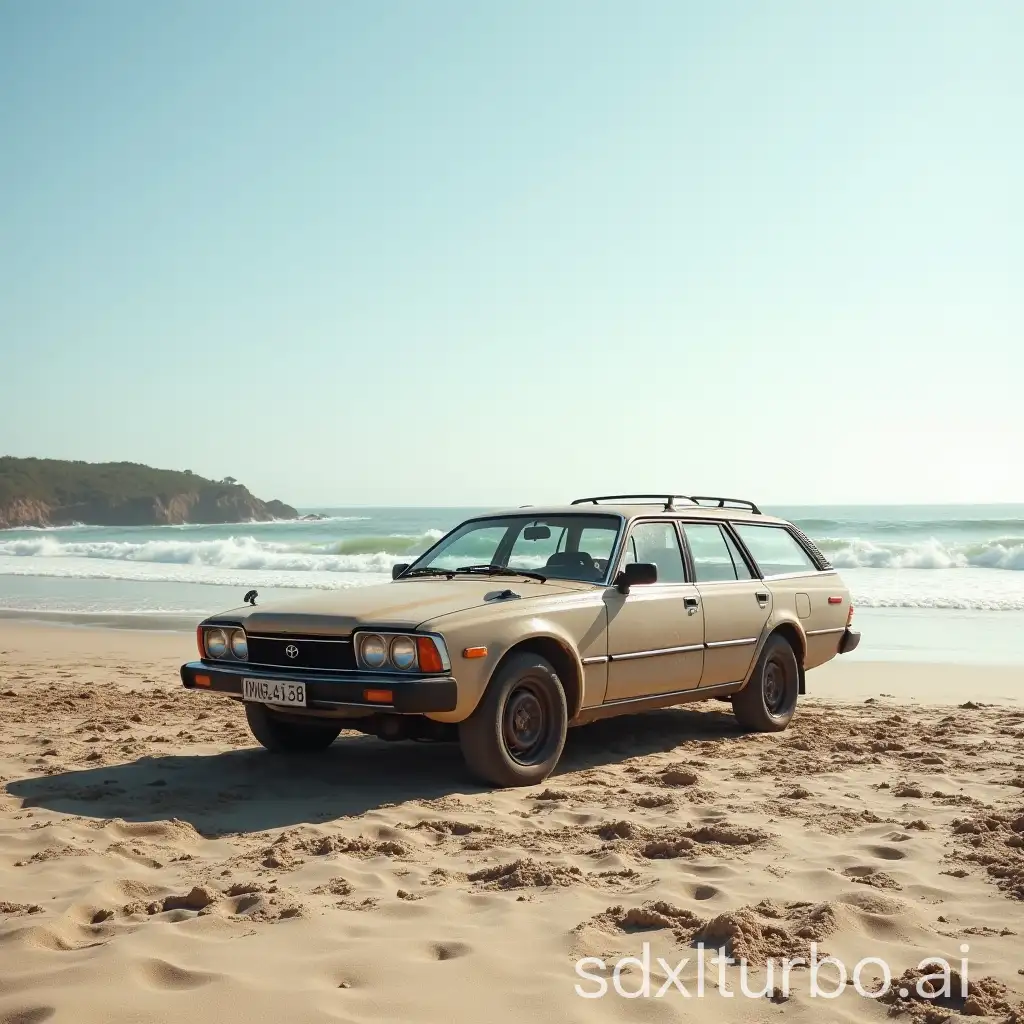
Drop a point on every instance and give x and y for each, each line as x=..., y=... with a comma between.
x=636, y=574
x=397, y=570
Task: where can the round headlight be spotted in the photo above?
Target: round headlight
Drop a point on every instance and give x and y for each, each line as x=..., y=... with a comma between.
x=239, y=644
x=373, y=650
x=216, y=643
x=403, y=653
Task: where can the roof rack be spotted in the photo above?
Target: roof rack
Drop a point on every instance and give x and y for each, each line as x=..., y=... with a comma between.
x=728, y=502
x=669, y=500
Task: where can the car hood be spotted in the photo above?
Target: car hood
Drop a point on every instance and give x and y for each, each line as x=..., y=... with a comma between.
x=402, y=604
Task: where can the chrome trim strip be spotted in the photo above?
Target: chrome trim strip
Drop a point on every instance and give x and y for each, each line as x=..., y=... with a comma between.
x=732, y=643
x=600, y=659
x=824, y=632
x=705, y=691
x=632, y=655
x=349, y=704
x=296, y=638
x=812, y=574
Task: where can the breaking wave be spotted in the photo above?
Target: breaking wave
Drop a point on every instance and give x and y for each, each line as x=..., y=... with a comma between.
x=351, y=554
x=999, y=553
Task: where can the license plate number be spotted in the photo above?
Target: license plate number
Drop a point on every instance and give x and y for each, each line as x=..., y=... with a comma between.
x=270, y=691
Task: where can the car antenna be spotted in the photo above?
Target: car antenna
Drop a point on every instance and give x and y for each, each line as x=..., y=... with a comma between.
x=250, y=598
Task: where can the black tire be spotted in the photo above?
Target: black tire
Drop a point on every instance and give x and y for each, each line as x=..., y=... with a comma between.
x=516, y=734
x=284, y=737
x=767, y=702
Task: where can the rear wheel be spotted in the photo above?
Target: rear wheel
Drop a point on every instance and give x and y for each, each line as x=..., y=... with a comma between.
x=516, y=734
x=767, y=702
x=283, y=736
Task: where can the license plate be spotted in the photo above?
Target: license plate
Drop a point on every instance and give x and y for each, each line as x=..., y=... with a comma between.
x=269, y=691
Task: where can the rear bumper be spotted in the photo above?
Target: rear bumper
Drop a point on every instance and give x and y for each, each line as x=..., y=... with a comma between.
x=849, y=642
x=332, y=691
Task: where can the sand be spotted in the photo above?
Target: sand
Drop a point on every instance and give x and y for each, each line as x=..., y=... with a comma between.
x=156, y=866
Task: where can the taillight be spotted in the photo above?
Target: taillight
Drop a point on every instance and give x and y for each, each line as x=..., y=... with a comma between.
x=849, y=616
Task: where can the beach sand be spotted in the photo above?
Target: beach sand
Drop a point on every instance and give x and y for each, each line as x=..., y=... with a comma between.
x=156, y=866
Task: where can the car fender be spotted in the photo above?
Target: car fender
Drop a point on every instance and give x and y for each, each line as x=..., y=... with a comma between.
x=785, y=621
x=475, y=674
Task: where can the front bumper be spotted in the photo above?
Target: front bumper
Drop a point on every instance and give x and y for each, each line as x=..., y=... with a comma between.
x=332, y=691
x=849, y=642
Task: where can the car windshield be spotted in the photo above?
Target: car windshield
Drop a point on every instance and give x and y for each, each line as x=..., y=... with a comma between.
x=565, y=547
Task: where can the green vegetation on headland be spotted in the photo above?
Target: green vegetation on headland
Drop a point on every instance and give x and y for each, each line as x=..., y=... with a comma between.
x=54, y=492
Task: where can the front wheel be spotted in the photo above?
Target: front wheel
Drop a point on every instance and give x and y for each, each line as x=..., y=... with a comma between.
x=516, y=735
x=767, y=702
x=281, y=736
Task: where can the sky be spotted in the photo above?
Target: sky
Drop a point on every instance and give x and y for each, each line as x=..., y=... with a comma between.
x=461, y=253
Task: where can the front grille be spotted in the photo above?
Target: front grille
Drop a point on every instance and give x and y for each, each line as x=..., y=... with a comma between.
x=307, y=652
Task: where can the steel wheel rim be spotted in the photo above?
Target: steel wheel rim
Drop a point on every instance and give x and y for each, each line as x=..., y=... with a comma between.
x=776, y=686
x=525, y=722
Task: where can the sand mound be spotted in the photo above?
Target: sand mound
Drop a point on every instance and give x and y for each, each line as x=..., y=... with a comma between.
x=611, y=830
x=691, y=841
x=171, y=831
x=924, y=998
x=869, y=876
x=677, y=776
x=525, y=873
x=199, y=897
x=995, y=841
x=12, y=909
x=651, y=916
x=751, y=933
x=650, y=800
x=450, y=828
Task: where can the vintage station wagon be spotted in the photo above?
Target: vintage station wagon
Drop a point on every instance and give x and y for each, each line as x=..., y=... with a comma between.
x=520, y=624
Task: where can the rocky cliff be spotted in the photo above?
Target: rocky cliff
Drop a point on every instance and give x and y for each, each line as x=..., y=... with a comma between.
x=48, y=492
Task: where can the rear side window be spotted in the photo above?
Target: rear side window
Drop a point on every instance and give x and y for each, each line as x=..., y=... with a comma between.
x=715, y=557
x=774, y=549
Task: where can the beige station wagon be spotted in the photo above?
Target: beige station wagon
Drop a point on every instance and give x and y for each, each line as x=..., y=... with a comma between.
x=520, y=624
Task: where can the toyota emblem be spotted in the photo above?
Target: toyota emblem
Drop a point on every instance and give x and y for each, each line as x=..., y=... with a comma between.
x=292, y=651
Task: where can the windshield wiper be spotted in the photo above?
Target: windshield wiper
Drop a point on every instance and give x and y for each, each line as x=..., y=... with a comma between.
x=502, y=570
x=427, y=570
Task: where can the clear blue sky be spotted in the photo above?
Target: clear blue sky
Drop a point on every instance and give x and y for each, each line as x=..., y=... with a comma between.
x=449, y=253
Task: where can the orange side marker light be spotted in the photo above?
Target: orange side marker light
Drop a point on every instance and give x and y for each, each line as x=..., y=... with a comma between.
x=475, y=652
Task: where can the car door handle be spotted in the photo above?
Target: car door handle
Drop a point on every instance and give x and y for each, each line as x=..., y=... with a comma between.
x=762, y=597
x=690, y=604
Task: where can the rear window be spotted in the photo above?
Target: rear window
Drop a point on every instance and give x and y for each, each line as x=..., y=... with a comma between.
x=775, y=549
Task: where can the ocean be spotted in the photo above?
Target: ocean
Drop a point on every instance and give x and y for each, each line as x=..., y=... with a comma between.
x=929, y=582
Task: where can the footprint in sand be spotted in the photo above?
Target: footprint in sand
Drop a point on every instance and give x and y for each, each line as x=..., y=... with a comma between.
x=887, y=852
x=449, y=950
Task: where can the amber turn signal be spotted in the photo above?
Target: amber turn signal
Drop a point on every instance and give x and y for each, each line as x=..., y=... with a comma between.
x=202, y=680
x=378, y=696
x=475, y=652
x=429, y=656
